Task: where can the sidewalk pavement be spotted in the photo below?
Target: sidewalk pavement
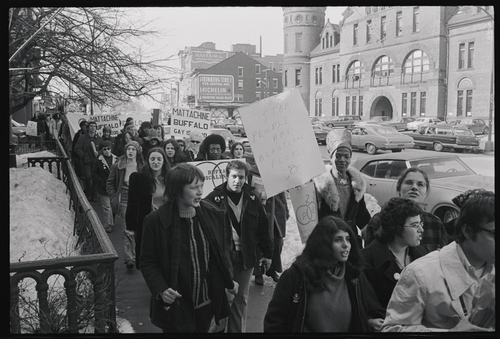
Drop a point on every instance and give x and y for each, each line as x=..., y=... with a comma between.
x=482, y=142
x=132, y=293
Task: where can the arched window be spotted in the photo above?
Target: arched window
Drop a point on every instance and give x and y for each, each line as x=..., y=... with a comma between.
x=417, y=62
x=335, y=102
x=327, y=40
x=384, y=67
x=464, y=97
x=354, y=72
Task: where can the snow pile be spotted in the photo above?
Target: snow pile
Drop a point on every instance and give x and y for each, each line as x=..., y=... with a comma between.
x=41, y=223
x=22, y=160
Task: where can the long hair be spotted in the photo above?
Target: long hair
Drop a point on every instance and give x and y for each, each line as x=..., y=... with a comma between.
x=233, y=147
x=178, y=156
x=317, y=257
x=148, y=172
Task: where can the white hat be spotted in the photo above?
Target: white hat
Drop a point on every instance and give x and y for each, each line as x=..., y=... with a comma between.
x=338, y=137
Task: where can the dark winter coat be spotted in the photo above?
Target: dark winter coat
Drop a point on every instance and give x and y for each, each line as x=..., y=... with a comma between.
x=382, y=270
x=100, y=173
x=84, y=150
x=115, y=181
x=254, y=223
x=286, y=311
x=159, y=261
x=138, y=206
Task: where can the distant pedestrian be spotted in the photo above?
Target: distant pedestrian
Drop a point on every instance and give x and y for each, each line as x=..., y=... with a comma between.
x=173, y=152
x=183, y=257
x=152, y=140
x=100, y=174
x=144, y=129
x=237, y=150
x=117, y=187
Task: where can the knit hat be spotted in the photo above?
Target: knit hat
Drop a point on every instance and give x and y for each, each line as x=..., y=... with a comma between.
x=460, y=199
x=152, y=134
x=104, y=144
x=336, y=138
x=135, y=144
x=214, y=139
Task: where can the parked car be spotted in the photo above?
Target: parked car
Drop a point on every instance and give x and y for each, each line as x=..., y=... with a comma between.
x=448, y=174
x=320, y=134
x=399, y=123
x=374, y=137
x=338, y=121
x=414, y=125
x=478, y=126
x=444, y=136
x=19, y=129
x=236, y=128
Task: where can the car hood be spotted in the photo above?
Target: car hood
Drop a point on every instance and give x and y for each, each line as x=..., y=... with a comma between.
x=464, y=182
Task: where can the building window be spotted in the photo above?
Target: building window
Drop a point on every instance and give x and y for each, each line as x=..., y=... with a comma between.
x=333, y=73
x=461, y=56
x=323, y=43
x=470, y=55
x=354, y=105
x=318, y=106
x=327, y=37
x=404, y=104
x=384, y=67
x=258, y=96
x=280, y=67
x=360, y=110
x=257, y=69
x=275, y=83
x=240, y=84
x=271, y=66
x=413, y=104
x=383, y=27
x=468, y=103
x=298, y=42
x=347, y=105
x=239, y=97
x=417, y=62
x=416, y=19
x=335, y=103
x=240, y=71
x=460, y=105
x=368, y=31
x=319, y=76
x=354, y=74
x=297, y=77
x=338, y=73
x=399, y=23
x=355, y=35
x=423, y=102
x=285, y=42
x=257, y=83
x=286, y=78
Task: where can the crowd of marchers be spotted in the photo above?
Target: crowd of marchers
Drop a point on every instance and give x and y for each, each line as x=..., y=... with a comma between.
x=401, y=269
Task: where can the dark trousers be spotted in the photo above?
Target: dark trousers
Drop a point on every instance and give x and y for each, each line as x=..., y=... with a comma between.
x=202, y=319
x=90, y=190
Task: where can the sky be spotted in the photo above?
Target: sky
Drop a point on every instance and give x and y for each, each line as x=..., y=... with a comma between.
x=224, y=26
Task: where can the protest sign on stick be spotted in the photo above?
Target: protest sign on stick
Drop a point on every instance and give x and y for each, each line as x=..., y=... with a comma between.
x=215, y=173
x=305, y=207
x=282, y=141
x=186, y=120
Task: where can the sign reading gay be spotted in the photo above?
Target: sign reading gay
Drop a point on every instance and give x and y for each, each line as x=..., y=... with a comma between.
x=186, y=120
x=283, y=141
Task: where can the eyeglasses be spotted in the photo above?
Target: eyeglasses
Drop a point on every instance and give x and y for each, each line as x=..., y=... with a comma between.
x=416, y=225
x=106, y=149
x=489, y=231
x=195, y=142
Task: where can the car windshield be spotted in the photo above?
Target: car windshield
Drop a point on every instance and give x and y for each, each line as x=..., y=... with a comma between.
x=442, y=167
x=463, y=132
x=385, y=131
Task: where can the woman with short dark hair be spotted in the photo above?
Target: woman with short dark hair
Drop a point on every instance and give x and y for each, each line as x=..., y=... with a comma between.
x=325, y=289
x=183, y=256
x=396, y=245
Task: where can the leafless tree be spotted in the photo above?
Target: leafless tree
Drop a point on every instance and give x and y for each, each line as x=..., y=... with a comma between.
x=91, y=51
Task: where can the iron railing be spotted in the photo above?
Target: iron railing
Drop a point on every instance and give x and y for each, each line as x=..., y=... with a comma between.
x=95, y=264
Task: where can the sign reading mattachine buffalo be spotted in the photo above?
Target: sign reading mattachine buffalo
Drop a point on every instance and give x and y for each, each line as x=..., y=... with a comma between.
x=186, y=120
x=283, y=141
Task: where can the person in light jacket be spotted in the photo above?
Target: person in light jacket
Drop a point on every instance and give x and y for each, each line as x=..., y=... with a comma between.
x=325, y=289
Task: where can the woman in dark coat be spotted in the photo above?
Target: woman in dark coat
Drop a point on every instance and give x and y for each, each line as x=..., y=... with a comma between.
x=146, y=194
x=183, y=256
x=325, y=289
x=396, y=245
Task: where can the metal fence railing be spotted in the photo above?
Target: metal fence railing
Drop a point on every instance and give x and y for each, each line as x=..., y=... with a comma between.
x=89, y=278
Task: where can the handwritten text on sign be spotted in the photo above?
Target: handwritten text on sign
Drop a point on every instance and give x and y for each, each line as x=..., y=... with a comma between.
x=282, y=140
x=186, y=120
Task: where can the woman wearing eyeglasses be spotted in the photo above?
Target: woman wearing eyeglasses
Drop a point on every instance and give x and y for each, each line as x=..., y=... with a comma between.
x=396, y=244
